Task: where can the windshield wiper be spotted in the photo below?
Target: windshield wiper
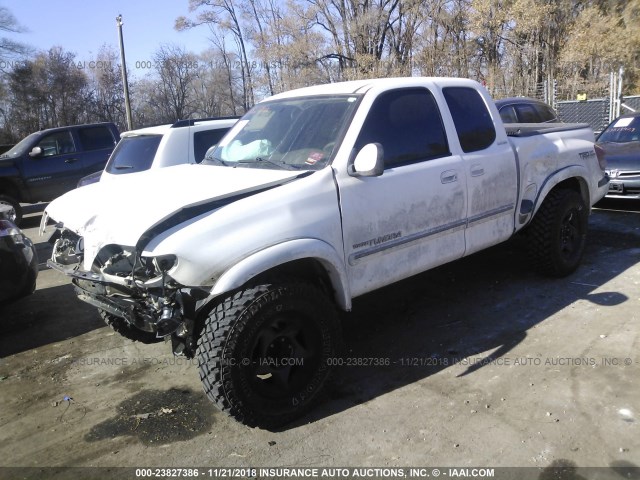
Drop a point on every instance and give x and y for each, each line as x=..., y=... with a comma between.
x=215, y=160
x=262, y=159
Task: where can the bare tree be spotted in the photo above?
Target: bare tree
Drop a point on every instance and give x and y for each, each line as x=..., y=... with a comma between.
x=106, y=86
x=50, y=90
x=224, y=15
x=10, y=48
x=176, y=72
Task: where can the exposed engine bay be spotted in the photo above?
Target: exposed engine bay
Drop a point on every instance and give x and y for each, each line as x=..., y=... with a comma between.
x=135, y=288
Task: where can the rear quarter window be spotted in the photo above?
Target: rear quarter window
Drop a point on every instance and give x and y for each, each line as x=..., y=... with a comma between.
x=471, y=117
x=205, y=139
x=96, y=138
x=508, y=114
x=546, y=113
x=528, y=114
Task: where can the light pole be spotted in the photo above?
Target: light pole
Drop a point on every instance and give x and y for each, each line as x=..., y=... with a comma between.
x=127, y=103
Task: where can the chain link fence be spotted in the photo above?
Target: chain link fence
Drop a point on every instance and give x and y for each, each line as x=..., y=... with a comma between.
x=595, y=112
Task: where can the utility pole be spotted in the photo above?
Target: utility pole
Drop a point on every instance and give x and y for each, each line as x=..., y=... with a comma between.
x=125, y=82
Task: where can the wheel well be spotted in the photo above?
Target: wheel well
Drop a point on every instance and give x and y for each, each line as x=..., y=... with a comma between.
x=306, y=269
x=578, y=185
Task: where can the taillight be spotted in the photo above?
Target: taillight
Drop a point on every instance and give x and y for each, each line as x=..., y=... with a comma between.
x=602, y=161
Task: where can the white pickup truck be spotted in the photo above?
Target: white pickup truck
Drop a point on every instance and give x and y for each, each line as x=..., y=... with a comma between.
x=314, y=197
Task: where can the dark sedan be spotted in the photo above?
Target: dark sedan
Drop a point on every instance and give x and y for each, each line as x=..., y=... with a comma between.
x=525, y=110
x=620, y=143
x=18, y=260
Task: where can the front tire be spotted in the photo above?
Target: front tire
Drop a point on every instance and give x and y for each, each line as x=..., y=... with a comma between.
x=558, y=233
x=265, y=353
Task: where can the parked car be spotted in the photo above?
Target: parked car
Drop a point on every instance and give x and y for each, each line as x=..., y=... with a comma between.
x=18, y=260
x=315, y=197
x=620, y=143
x=185, y=141
x=525, y=110
x=50, y=162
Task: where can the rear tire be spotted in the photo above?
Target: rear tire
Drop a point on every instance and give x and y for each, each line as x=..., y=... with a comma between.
x=558, y=233
x=265, y=353
x=121, y=326
x=15, y=214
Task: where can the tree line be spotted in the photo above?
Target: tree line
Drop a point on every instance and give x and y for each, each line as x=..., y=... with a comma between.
x=262, y=47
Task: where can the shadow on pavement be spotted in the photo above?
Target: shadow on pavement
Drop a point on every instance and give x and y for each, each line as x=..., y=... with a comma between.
x=49, y=315
x=480, y=307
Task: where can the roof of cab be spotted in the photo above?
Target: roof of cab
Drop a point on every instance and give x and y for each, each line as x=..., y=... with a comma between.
x=354, y=87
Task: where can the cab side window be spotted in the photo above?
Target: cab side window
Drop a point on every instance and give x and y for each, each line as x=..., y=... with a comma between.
x=57, y=143
x=204, y=140
x=528, y=114
x=508, y=114
x=546, y=113
x=96, y=138
x=471, y=118
x=408, y=125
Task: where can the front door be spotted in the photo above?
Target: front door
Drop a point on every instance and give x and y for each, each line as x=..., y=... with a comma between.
x=413, y=216
x=55, y=170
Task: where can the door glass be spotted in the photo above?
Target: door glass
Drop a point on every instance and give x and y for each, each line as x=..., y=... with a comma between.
x=471, y=118
x=546, y=113
x=57, y=144
x=408, y=125
x=508, y=114
x=528, y=114
x=96, y=138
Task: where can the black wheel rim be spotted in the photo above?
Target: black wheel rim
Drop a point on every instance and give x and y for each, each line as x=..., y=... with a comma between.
x=570, y=234
x=284, y=356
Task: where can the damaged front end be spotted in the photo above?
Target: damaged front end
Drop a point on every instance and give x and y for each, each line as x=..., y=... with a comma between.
x=137, y=289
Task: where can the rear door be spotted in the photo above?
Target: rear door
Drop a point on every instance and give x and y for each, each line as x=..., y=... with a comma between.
x=97, y=143
x=490, y=168
x=413, y=216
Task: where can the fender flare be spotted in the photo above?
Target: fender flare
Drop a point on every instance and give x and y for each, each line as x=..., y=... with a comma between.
x=282, y=253
x=577, y=172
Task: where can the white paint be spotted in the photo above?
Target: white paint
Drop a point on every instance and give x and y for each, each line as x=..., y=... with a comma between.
x=366, y=232
x=623, y=122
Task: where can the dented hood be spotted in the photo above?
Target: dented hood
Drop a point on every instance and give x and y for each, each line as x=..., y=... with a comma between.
x=121, y=211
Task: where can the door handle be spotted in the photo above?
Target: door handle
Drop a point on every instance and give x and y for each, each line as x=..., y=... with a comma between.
x=71, y=160
x=477, y=170
x=448, y=176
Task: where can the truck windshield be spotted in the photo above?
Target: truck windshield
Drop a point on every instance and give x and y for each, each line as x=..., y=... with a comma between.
x=20, y=148
x=623, y=130
x=292, y=134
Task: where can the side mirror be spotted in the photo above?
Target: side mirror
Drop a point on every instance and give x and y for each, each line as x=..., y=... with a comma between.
x=369, y=161
x=209, y=152
x=35, y=152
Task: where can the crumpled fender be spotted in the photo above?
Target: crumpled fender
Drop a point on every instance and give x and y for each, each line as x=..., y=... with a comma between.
x=298, y=249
